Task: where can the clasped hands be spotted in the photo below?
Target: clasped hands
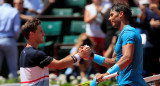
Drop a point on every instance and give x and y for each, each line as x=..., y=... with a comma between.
x=84, y=52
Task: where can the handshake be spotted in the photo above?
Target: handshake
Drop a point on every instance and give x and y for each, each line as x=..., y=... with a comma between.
x=85, y=52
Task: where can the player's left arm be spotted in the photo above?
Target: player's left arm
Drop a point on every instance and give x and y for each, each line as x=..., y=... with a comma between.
x=128, y=43
x=126, y=59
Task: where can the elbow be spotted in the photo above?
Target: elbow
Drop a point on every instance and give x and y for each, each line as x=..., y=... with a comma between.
x=128, y=60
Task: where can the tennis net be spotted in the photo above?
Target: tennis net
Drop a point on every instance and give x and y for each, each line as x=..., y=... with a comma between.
x=153, y=80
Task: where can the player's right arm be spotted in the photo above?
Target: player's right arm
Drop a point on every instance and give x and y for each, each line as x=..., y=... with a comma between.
x=107, y=62
x=69, y=60
x=61, y=64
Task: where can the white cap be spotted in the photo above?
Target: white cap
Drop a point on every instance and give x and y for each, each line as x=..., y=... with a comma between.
x=143, y=2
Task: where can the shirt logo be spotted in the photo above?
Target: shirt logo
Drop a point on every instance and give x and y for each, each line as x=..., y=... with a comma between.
x=44, y=60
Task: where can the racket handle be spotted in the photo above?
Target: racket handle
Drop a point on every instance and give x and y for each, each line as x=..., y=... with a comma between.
x=105, y=77
x=111, y=75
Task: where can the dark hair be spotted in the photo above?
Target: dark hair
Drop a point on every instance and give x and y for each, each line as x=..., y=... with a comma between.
x=8, y=1
x=121, y=6
x=30, y=26
x=87, y=42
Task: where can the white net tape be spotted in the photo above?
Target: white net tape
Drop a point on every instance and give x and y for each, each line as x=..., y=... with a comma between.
x=153, y=80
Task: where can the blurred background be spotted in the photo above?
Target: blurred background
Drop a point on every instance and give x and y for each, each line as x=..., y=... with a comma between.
x=68, y=25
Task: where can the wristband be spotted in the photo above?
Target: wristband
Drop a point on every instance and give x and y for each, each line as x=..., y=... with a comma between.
x=114, y=69
x=74, y=59
x=98, y=59
x=77, y=56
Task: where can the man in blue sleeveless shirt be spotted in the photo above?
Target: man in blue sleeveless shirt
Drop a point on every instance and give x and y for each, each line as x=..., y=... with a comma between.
x=127, y=58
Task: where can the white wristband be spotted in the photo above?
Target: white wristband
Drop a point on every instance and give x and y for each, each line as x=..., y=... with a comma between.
x=77, y=56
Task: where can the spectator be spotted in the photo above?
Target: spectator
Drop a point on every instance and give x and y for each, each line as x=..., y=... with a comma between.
x=9, y=32
x=0, y=2
x=34, y=7
x=48, y=1
x=150, y=19
x=132, y=3
x=18, y=4
x=93, y=18
x=106, y=4
x=107, y=28
x=108, y=53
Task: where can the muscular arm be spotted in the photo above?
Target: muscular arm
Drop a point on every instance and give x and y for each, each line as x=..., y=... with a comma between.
x=61, y=64
x=68, y=60
x=125, y=60
x=127, y=57
x=109, y=62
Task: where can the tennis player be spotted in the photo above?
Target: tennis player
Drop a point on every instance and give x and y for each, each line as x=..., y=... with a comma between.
x=127, y=58
x=34, y=63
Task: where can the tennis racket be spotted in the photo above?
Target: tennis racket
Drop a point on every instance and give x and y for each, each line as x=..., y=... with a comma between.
x=105, y=78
